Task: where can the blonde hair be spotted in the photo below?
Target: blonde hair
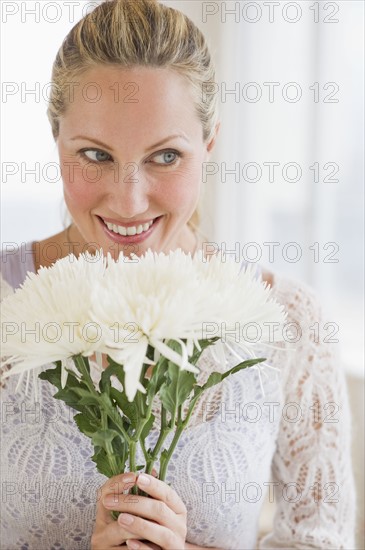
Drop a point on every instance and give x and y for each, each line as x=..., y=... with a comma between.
x=129, y=33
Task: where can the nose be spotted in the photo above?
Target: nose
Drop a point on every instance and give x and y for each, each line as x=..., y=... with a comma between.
x=128, y=192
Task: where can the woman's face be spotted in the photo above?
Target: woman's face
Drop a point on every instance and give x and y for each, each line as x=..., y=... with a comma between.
x=131, y=152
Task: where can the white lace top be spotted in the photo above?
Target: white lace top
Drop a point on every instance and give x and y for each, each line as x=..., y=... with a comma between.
x=290, y=435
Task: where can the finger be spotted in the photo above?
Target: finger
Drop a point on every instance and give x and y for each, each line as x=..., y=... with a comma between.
x=144, y=507
x=119, y=484
x=111, y=535
x=154, y=532
x=134, y=544
x=161, y=491
x=116, y=485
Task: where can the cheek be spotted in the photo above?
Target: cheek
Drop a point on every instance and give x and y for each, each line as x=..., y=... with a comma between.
x=181, y=190
x=81, y=185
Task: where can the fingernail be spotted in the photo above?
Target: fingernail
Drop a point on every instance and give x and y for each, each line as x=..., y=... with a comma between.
x=128, y=477
x=143, y=480
x=133, y=544
x=125, y=519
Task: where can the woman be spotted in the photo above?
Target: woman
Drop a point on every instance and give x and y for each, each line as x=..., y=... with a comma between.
x=133, y=131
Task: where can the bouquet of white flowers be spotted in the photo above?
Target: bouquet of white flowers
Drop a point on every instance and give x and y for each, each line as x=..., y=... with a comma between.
x=153, y=317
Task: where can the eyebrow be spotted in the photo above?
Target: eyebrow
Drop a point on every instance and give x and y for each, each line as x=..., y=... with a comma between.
x=158, y=144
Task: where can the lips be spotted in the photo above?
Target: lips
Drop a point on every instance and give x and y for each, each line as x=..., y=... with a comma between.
x=129, y=230
x=117, y=236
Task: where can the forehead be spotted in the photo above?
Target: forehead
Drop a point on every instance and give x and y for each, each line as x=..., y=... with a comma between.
x=130, y=99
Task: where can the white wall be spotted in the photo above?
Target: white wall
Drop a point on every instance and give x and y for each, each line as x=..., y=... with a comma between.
x=323, y=46
x=281, y=131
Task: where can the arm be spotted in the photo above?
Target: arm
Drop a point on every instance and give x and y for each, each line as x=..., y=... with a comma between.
x=5, y=288
x=313, y=452
x=189, y=546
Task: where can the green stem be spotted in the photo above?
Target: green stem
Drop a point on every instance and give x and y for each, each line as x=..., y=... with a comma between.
x=174, y=413
x=132, y=462
x=191, y=409
x=132, y=456
x=165, y=429
x=112, y=461
x=109, y=449
x=144, y=450
x=81, y=363
x=150, y=458
x=181, y=425
x=104, y=419
x=166, y=458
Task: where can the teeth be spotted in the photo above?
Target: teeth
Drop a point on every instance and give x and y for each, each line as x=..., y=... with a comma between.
x=128, y=231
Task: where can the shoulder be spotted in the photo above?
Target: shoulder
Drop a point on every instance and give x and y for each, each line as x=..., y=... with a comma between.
x=301, y=301
x=310, y=348
x=5, y=288
x=16, y=260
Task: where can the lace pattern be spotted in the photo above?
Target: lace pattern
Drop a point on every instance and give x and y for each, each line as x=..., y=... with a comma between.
x=314, y=451
x=223, y=464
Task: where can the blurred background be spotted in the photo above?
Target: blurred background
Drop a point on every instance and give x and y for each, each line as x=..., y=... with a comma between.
x=285, y=183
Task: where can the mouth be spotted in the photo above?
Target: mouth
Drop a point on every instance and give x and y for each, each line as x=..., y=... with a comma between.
x=130, y=234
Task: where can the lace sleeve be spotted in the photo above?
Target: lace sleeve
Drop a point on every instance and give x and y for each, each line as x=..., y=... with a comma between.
x=313, y=483
x=5, y=288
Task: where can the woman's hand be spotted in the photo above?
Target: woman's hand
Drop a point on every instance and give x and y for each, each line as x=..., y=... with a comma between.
x=160, y=520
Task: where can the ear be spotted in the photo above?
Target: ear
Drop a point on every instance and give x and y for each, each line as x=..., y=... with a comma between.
x=211, y=144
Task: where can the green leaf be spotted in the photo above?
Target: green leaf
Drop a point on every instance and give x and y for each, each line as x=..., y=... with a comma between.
x=243, y=365
x=214, y=378
x=52, y=375
x=177, y=388
x=203, y=344
x=113, y=369
x=120, y=448
x=81, y=391
x=119, y=452
x=147, y=427
x=85, y=363
x=116, y=369
x=158, y=377
x=86, y=425
x=73, y=389
x=69, y=397
x=102, y=463
x=217, y=377
x=129, y=409
x=104, y=438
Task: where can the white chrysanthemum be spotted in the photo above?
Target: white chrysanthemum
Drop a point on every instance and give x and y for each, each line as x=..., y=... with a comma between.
x=47, y=319
x=78, y=307
x=244, y=304
x=158, y=297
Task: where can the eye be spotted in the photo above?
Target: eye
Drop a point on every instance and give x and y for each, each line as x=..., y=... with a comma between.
x=166, y=157
x=96, y=155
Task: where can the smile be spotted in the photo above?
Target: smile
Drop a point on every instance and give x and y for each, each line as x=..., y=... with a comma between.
x=128, y=231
